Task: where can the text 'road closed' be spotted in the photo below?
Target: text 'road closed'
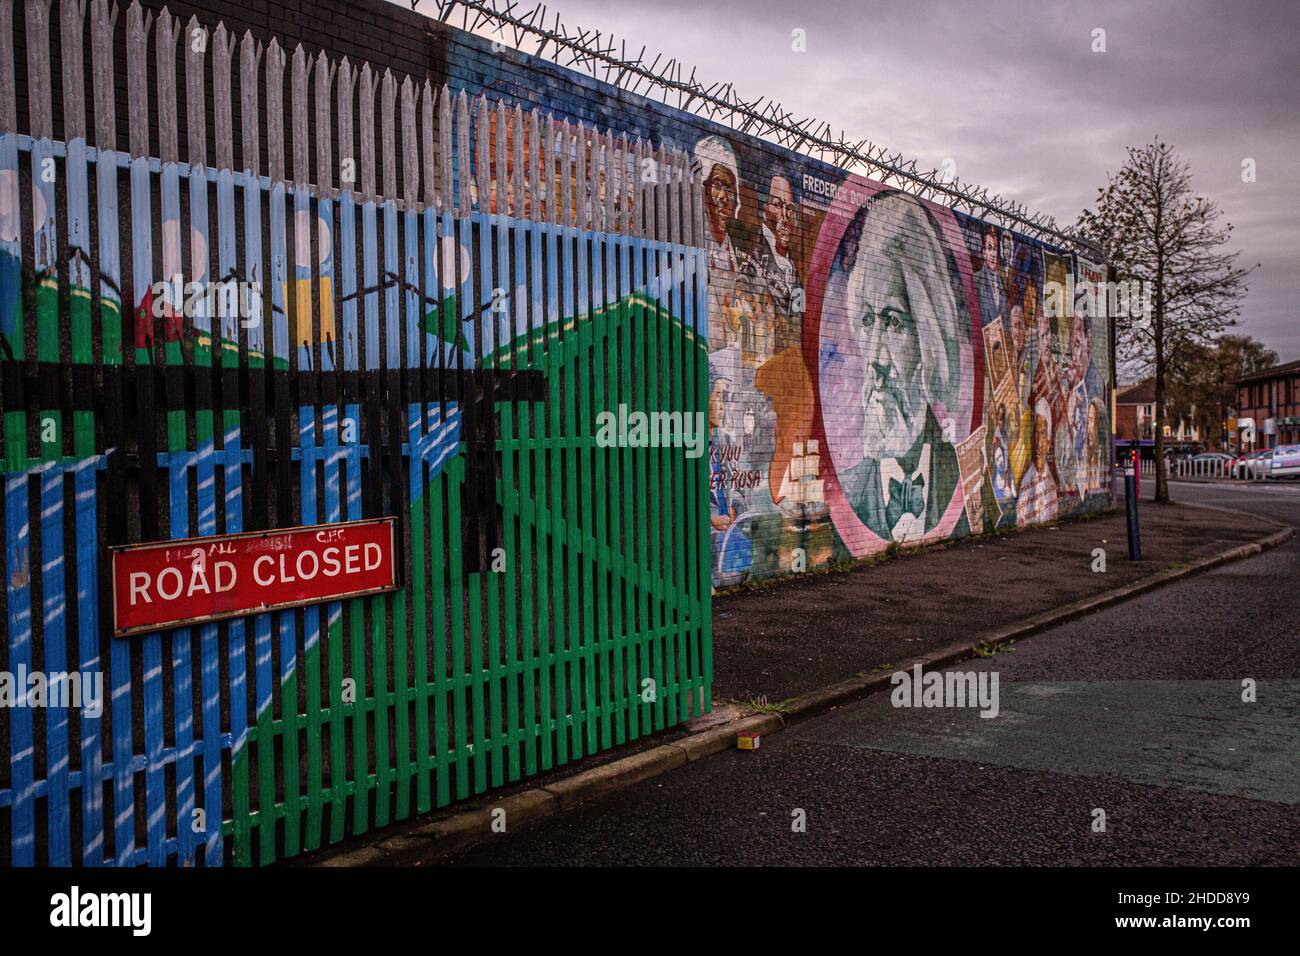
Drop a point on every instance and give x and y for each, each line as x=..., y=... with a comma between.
x=171, y=583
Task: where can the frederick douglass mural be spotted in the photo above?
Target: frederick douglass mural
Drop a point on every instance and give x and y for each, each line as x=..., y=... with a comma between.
x=895, y=325
x=882, y=369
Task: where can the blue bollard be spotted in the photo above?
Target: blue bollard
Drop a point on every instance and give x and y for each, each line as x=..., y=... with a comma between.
x=1131, y=507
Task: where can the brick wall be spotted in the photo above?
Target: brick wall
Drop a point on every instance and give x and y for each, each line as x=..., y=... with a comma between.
x=882, y=370
x=1276, y=397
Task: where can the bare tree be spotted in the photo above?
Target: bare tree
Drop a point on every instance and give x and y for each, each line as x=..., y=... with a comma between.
x=1155, y=230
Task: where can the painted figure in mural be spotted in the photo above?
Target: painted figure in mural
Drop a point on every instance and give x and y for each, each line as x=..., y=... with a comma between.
x=1066, y=455
x=744, y=518
x=1001, y=472
x=1046, y=380
x=715, y=162
x=1007, y=252
x=1001, y=437
x=997, y=358
x=1037, y=501
x=988, y=279
x=730, y=381
x=771, y=262
x=769, y=278
x=1084, y=377
x=731, y=544
x=1017, y=322
x=1083, y=386
x=1094, y=448
x=892, y=278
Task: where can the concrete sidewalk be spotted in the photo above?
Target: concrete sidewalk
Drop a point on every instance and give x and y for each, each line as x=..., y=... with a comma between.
x=800, y=635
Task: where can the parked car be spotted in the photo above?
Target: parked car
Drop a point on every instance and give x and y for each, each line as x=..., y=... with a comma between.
x=1285, y=462
x=1251, y=465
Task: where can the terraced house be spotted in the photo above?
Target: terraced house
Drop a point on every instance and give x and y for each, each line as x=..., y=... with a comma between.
x=1271, y=399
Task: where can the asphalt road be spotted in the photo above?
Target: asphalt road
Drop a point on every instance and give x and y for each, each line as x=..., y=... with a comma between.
x=1136, y=711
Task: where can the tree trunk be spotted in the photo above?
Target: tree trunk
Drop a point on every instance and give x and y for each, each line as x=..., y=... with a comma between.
x=1162, y=482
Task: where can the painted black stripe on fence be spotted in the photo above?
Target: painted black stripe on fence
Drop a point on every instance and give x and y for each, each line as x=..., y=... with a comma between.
x=200, y=387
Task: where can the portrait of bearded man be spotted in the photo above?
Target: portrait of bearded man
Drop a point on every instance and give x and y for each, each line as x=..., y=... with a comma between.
x=892, y=282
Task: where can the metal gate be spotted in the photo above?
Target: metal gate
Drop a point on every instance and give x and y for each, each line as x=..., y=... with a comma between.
x=348, y=296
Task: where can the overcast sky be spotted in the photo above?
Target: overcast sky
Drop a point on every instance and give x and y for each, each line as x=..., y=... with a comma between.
x=1013, y=93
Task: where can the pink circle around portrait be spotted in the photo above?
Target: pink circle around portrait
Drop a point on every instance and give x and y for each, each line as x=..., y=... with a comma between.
x=830, y=352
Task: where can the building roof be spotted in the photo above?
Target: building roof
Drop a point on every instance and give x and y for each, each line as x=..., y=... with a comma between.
x=1143, y=393
x=1264, y=374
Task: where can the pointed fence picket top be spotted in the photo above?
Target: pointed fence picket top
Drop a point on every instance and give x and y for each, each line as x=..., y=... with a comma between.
x=332, y=295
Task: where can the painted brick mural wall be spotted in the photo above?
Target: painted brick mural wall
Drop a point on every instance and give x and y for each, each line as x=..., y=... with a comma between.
x=883, y=370
x=451, y=285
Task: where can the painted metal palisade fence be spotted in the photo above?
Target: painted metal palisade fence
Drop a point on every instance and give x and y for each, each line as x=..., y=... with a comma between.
x=426, y=326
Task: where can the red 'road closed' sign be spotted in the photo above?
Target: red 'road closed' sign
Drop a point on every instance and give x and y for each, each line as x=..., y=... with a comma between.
x=170, y=583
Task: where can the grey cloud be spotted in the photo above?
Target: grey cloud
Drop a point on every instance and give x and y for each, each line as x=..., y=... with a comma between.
x=1013, y=93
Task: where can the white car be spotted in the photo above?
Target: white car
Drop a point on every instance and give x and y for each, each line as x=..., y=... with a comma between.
x=1248, y=465
x=1285, y=462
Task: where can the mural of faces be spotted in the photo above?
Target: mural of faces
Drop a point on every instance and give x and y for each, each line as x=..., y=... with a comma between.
x=715, y=163
x=890, y=282
x=941, y=398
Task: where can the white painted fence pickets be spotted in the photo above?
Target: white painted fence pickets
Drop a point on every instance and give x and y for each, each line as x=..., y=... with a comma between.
x=381, y=224
x=1257, y=469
